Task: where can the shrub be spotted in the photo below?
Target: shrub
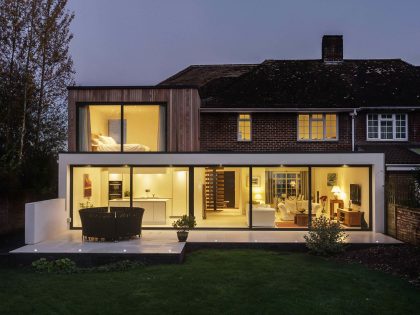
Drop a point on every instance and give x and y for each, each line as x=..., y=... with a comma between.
x=325, y=237
x=185, y=223
x=118, y=266
x=59, y=266
x=67, y=266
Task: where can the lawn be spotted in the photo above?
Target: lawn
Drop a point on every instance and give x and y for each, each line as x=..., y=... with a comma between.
x=212, y=282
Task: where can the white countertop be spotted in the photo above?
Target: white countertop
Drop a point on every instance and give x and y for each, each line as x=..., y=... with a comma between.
x=141, y=199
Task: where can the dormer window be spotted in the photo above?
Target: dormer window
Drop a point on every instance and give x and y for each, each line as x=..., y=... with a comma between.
x=387, y=127
x=244, y=127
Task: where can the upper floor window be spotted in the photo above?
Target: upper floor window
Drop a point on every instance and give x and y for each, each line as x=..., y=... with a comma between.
x=244, y=127
x=387, y=126
x=317, y=127
x=125, y=128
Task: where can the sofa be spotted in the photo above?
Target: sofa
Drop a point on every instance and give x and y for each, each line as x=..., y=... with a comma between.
x=289, y=208
x=118, y=223
x=262, y=215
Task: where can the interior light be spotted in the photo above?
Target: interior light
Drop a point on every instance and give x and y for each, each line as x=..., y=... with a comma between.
x=124, y=250
x=336, y=191
x=79, y=250
x=215, y=240
x=35, y=250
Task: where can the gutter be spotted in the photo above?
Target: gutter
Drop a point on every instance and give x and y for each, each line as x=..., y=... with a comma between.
x=402, y=167
x=353, y=118
x=298, y=109
x=274, y=110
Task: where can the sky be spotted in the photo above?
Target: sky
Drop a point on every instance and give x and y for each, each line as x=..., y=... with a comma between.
x=142, y=42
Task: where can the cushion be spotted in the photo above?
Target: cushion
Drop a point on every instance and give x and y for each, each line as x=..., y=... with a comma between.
x=107, y=140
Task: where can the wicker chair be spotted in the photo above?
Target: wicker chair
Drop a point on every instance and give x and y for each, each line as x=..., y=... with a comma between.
x=97, y=222
x=119, y=223
x=128, y=221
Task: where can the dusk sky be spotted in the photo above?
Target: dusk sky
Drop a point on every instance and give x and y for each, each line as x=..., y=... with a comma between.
x=134, y=42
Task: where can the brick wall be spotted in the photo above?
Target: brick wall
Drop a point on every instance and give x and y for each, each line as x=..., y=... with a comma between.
x=408, y=224
x=270, y=132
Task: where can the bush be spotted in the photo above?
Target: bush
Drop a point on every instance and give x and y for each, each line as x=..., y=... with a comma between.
x=117, y=266
x=325, y=237
x=59, y=266
x=67, y=266
x=185, y=223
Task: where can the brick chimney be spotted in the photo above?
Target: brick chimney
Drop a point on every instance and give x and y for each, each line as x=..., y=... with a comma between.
x=332, y=48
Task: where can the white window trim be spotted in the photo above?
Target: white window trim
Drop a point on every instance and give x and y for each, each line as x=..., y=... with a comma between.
x=394, y=127
x=323, y=126
x=250, y=126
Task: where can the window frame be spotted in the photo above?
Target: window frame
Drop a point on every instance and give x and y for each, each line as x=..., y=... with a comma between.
x=324, y=127
x=121, y=104
x=394, y=126
x=238, y=127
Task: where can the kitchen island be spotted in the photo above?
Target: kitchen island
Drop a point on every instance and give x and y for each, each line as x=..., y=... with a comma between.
x=154, y=208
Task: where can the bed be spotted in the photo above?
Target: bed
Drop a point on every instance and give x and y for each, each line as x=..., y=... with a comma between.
x=108, y=144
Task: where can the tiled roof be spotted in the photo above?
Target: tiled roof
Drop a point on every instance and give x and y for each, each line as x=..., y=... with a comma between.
x=305, y=84
x=200, y=75
x=395, y=154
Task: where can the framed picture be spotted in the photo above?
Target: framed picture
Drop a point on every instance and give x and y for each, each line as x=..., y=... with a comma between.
x=256, y=181
x=87, y=186
x=332, y=179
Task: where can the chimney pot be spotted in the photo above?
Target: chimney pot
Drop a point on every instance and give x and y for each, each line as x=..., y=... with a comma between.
x=332, y=48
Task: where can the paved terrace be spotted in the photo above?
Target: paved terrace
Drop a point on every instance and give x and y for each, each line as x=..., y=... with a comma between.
x=164, y=242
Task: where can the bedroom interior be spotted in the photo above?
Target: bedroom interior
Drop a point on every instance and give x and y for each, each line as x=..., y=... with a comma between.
x=128, y=127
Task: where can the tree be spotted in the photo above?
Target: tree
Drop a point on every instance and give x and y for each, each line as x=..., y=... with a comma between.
x=35, y=70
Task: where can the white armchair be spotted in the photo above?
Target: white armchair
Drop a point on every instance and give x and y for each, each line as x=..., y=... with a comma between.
x=262, y=216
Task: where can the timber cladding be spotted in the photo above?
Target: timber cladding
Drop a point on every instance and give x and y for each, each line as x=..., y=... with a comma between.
x=183, y=105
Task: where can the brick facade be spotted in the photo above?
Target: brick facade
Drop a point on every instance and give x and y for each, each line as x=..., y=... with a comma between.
x=408, y=225
x=270, y=132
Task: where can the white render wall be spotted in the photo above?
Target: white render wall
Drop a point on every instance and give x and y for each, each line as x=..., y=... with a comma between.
x=376, y=160
x=44, y=220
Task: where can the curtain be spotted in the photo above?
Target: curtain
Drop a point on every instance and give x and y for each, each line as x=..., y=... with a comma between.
x=84, y=129
x=161, y=129
x=304, y=189
x=269, y=193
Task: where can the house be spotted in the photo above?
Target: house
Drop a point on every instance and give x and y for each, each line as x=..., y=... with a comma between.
x=258, y=146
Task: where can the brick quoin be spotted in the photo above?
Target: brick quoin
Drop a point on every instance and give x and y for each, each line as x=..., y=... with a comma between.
x=271, y=132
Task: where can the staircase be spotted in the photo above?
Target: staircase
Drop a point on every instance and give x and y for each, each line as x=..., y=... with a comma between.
x=214, y=188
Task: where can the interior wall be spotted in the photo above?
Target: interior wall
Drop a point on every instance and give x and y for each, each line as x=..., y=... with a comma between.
x=142, y=125
x=95, y=199
x=99, y=116
x=199, y=180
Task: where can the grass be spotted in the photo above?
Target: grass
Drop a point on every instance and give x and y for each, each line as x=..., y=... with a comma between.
x=212, y=282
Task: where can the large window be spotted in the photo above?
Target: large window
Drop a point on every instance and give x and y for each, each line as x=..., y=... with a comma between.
x=387, y=127
x=317, y=127
x=342, y=194
x=221, y=196
x=280, y=197
x=104, y=128
x=286, y=184
x=244, y=127
x=161, y=191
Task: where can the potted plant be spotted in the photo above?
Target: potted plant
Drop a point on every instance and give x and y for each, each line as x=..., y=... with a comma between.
x=183, y=225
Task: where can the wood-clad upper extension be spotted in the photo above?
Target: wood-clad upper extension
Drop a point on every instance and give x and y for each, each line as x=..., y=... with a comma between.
x=183, y=104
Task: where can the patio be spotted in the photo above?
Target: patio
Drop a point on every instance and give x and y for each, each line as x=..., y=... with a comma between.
x=165, y=241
